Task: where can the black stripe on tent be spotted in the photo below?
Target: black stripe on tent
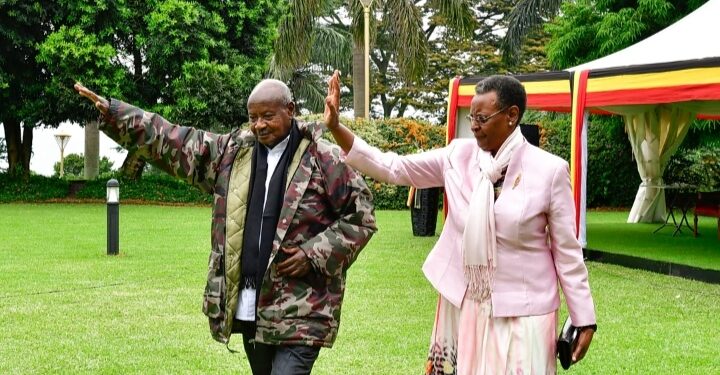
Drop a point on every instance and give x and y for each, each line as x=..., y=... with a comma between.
x=532, y=77
x=711, y=62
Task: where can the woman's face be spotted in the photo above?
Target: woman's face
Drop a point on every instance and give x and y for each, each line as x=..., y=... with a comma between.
x=491, y=125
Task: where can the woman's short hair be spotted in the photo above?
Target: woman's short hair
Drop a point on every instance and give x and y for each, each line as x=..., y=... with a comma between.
x=508, y=89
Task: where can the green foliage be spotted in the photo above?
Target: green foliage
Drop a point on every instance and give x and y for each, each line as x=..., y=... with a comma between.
x=36, y=189
x=525, y=18
x=178, y=32
x=314, y=40
x=78, y=56
x=699, y=166
x=698, y=159
x=402, y=136
x=612, y=177
x=75, y=166
x=589, y=29
x=450, y=54
x=212, y=96
x=23, y=25
x=146, y=52
x=152, y=188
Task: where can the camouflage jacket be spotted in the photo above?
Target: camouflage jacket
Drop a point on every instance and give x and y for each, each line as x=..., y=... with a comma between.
x=327, y=211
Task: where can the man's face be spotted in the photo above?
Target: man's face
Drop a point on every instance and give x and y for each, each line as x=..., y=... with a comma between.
x=270, y=120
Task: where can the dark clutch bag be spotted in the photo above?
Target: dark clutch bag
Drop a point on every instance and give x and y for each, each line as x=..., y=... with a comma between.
x=566, y=343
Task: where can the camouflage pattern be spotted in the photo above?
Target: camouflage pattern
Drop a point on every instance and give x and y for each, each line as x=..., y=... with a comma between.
x=327, y=212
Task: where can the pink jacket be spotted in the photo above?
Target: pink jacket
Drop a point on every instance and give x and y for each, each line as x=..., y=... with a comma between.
x=535, y=195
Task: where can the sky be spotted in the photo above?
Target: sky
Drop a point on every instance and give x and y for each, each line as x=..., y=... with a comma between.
x=46, y=151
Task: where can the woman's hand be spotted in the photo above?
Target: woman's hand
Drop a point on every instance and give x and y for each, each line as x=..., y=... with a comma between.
x=100, y=103
x=332, y=102
x=583, y=344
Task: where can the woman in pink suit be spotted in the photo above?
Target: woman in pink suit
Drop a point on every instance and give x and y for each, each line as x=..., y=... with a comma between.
x=508, y=239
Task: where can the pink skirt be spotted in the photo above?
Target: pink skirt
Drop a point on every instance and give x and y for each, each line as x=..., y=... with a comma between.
x=469, y=341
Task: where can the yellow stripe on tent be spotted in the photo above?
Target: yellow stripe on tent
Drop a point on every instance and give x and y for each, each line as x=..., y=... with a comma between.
x=683, y=77
x=534, y=87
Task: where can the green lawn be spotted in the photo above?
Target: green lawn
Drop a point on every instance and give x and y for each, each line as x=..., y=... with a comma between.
x=608, y=231
x=66, y=307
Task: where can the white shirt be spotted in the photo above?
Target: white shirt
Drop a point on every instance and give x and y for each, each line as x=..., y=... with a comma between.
x=246, y=300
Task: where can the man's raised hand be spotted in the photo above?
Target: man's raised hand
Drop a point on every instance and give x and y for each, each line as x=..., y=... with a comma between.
x=100, y=103
x=332, y=102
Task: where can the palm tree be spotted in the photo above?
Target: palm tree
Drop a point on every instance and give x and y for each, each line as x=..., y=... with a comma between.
x=318, y=35
x=92, y=150
x=524, y=18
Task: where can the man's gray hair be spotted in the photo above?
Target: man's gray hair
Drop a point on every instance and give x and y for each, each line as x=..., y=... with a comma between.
x=286, y=94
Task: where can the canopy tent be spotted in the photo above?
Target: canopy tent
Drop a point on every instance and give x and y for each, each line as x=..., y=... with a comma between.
x=658, y=85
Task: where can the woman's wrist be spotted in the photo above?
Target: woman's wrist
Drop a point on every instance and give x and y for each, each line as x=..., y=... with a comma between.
x=591, y=326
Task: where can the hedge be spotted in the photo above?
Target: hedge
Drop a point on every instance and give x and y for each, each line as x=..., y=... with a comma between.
x=151, y=188
x=400, y=135
x=612, y=178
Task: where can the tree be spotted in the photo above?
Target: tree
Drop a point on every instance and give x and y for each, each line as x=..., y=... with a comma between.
x=168, y=56
x=588, y=30
x=453, y=55
x=626, y=20
x=23, y=25
x=309, y=23
x=75, y=166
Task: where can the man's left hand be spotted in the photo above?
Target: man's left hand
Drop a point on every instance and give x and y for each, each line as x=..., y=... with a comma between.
x=297, y=264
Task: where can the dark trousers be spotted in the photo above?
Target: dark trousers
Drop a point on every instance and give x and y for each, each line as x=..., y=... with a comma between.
x=276, y=359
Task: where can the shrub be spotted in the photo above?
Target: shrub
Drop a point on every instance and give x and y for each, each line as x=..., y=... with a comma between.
x=699, y=166
x=612, y=177
x=37, y=188
x=151, y=188
x=74, y=165
x=399, y=135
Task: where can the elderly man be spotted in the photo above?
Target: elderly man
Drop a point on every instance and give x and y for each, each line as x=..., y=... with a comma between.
x=288, y=220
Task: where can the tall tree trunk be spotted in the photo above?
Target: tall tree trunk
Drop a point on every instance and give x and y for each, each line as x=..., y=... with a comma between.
x=92, y=150
x=14, y=144
x=27, y=150
x=358, y=75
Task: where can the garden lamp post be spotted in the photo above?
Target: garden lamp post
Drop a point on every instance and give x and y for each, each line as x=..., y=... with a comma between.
x=113, y=216
x=366, y=9
x=62, y=138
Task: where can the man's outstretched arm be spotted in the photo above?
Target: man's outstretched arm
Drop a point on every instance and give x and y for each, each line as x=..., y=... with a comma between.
x=183, y=152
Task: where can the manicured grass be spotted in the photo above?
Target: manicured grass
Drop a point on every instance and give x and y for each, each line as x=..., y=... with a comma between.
x=608, y=231
x=66, y=307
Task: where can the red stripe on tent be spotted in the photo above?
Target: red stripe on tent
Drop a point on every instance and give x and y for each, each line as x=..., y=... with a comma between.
x=463, y=100
x=560, y=102
x=654, y=95
x=451, y=128
x=536, y=101
x=452, y=110
x=579, y=119
x=552, y=109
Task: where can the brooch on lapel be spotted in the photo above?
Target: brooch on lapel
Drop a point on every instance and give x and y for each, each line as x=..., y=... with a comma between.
x=516, y=182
